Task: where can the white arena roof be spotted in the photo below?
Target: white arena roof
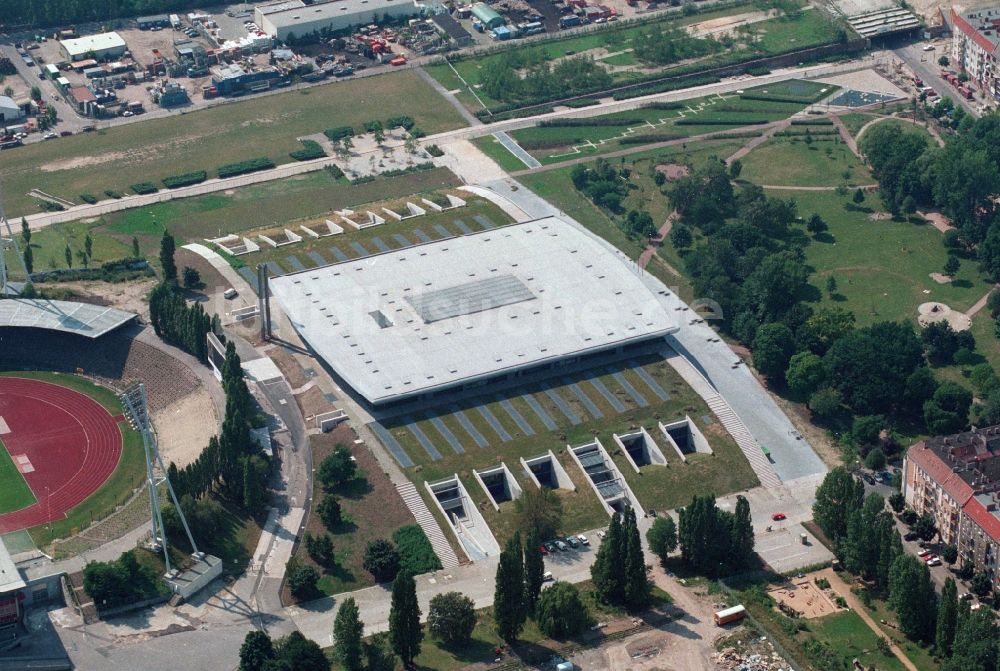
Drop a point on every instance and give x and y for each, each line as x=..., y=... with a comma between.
x=463, y=310
x=91, y=321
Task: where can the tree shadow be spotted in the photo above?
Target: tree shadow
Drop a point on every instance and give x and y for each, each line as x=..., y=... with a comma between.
x=356, y=488
x=339, y=572
x=811, y=294
x=824, y=237
x=345, y=527
x=961, y=284
x=838, y=297
x=476, y=651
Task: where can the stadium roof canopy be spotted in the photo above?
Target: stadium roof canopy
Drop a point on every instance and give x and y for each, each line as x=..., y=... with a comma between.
x=462, y=311
x=91, y=321
x=10, y=579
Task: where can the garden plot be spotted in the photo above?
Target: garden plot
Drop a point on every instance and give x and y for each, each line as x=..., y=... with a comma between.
x=804, y=598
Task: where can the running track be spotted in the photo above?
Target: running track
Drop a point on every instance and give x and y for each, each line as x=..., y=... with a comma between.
x=72, y=442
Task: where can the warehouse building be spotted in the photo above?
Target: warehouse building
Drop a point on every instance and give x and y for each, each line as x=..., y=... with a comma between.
x=487, y=16
x=150, y=22
x=234, y=80
x=295, y=18
x=102, y=47
x=470, y=311
x=10, y=111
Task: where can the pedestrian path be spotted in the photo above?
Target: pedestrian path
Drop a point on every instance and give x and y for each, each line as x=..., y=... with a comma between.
x=411, y=497
x=517, y=150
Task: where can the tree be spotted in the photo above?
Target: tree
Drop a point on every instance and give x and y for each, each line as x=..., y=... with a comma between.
x=948, y=410
x=831, y=285
x=975, y=644
x=637, y=586
x=772, y=349
x=379, y=654
x=192, y=278
x=330, y=512
x=136, y=252
x=337, y=468
x=301, y=579
x=804, y=373
x=348, y=631
x=662, y=537
x=539, y=509
x=68, y=255
x=320, y=549
x=951, y=265
x=980, y=584
x=816, y=225
x=836, y=498
x=451, y=618
x=534, y=569
x=381, y=560
x=912, y=596
x=859, y=196
x=869, y=365
x=875, y=460
x=36, y=93
x=404, y=618
x=949, y=553
x=742, y=552
x=88, y=245
x=825, y=402
x=897, y=502
x=606, y=572
x=295, y=652
x=29, y=259
x=509, y=607
x=25, y=231
x=947, y=618
x=256, y=650
x=680, y=235
x=735, y=168
x=561, y=614
x=167, y=263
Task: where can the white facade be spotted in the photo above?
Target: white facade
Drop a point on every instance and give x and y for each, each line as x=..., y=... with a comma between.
x=293, y=17
x=9, y=111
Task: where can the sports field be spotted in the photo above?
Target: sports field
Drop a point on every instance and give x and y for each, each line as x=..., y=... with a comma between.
x=14, y=491
x=263, y=126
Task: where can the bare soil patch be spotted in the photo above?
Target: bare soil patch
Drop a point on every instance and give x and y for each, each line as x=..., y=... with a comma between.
x=940, y=278
x=928, y=313
x=805, y=598
x=673, y=171
x=288, y=366
x=312, y=402
x=184, y=427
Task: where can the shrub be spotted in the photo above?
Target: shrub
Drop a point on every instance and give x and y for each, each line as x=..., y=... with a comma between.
x=320, y=549
x=560, y=612
x=451, y=618
x=581, y=102
x=243, y=167
x=663, y=106
x=186, y=179
x=415, y=552
x=302, y=579
x=335, y=171
x=338, y=133
x=120, y=582
x=330, y=512
x=381, y=560
x=434, y=150
x=404, y=121
x=50, y=206
x=143, y=188
x=111, y=193
x=88, y=198
x=310, y=150
x=372, y=126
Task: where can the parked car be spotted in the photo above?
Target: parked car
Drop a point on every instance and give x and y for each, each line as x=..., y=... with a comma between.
x=572, y=542
x=934, y=561
x=51, y=136
x=601, y=534
x=65, y=133
x=547, y=576
x=543, y=549
x=923, y=554
x=777, y=517
x=562, y=547
x=867, y=478
x=583, y=540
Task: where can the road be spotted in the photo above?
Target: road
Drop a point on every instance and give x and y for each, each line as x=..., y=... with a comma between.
x=68, y=117
x=924, y=64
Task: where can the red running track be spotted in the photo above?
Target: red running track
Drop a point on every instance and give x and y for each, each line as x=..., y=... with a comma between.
x=72, y=442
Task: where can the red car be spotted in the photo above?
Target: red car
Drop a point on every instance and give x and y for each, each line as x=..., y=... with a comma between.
x=777, y=517
x=541, y=548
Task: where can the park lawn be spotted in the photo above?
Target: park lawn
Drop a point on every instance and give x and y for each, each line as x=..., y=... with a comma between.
x=491, y=146
x=855, y=121
x=881, y=268
x=800, y=30
x=847, y=634
x=907, y=126
x=14, y=491
x=269, y=125
x=804, y=89
x=920, y=656
x=822, y=161
x=48, y=247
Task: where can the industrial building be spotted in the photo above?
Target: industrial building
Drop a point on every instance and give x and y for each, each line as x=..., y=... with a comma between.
x=487, y=16
x=149, y=22
x=976, y=39
x=234, y=80
x=464, y=312
x=9, y=111
x=295, y=18
x=956, y=480
x=102, y=47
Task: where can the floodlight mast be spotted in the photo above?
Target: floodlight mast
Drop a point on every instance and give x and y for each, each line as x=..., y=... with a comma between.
x=3, y=250
x=134, y=398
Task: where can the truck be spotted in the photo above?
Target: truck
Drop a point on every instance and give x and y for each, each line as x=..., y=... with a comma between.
x=734, y=614
x=569, y=21
x=966, y=92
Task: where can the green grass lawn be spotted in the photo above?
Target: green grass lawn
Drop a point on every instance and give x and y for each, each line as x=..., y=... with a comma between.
x=855, y=121
x=14, y=491
x=823, y=161
x=118, y=488
x=907, y=126
x=882, y=268
x=203, y=140
x=848, y=635
x=659, y=487
x=194, y=219
x=491, y=146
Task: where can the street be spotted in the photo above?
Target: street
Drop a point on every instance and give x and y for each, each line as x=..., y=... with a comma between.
x=924, y=64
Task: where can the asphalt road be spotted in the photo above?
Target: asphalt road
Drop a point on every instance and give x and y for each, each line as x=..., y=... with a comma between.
x=924, y=64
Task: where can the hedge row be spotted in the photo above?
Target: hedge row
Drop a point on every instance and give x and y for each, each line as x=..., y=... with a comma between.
x=597, y=121
x=514, y=113
x=646, y=139
x=88, y=198
x=405, y=121
x=142, y=188
x=663, y=87
x=720, y=122
x=581, y=102
x=663, y=106
x=434, y=150
x=767, y=97
x=338, y=133
x=548, y=142
x=812, y=122
x=310, y=150
x=187, y=179
x=243, y=167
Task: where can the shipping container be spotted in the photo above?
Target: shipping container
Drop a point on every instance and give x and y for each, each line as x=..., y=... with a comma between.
x=728, y=615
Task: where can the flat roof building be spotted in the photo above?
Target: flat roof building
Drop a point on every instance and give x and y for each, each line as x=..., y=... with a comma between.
x=104, y=46
x=461, y=312
x=487, y=15
x=157, y=21
x=294, y=17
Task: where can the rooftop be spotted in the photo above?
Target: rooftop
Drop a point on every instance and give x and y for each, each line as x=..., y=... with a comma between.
x=82, y=45
x=91, y=321
x=462, y=310
x=298, y=13
x=10, y=578
x=7, y=102
x=982, y=25
x=965, y=464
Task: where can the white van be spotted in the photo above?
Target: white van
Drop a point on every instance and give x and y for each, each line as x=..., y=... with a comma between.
x=230, y=293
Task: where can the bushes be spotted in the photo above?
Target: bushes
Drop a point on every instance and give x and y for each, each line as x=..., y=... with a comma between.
x=581, y=102
x=812, y=122
x=243, y=167
x=310, y=150
x=339, y=133
x=736, y=121
x=549, y=142
x=415, y=552
x=434, y=150
x=597, y=121
x=121, y=582
x=663, y=106
x=88, y=198
x=50, y=206
x=142, y=188
x=187, y=179
x=644, y=138
x=373, y=126
x=663, y=87
x=111, y=193
x=404, y=121
x=335, y=171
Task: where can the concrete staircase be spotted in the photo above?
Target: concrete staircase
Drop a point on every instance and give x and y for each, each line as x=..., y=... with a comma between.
x=759, y=462
x=412, y=499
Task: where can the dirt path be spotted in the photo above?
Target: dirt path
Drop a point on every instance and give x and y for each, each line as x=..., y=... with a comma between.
x=980, y=304
x=930, y=129
x=844, y=590
x=759, y=140
x=938, y=220
x=654, y=243
x=845, y=134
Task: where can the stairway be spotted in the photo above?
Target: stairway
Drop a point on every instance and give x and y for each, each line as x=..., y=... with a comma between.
x=413, y=500
x=759, y=462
